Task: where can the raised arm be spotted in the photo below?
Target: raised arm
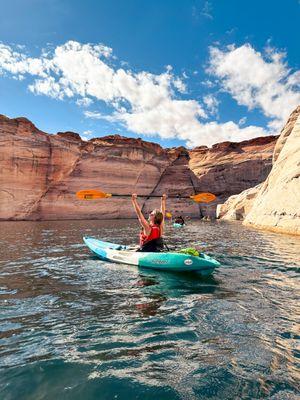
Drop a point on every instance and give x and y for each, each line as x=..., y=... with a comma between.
x=163, y=204
x=163, y=211
x=139, y=214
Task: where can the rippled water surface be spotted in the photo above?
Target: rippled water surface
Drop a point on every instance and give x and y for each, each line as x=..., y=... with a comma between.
x=74, y=327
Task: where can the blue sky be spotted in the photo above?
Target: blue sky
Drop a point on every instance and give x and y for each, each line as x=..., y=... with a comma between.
x=174, y=72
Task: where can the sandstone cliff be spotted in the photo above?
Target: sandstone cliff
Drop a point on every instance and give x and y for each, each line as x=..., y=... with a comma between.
x=40, y=173
x=277, y=204
x=236, y=207
x=228, y=167
x=274, y=204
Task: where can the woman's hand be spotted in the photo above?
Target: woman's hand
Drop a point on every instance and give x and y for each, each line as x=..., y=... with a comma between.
x=133, y=196
x=164, y=197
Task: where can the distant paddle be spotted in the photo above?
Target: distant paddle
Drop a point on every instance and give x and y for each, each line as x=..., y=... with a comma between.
x=92, y=195
x=98, y=194
x=203, y=197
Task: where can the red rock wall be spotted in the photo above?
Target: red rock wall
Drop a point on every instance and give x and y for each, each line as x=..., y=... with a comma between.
x=229, y=168
x=41, y=173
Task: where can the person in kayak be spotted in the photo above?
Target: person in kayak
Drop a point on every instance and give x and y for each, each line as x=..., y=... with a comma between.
x=153, y=229
x=179, y=220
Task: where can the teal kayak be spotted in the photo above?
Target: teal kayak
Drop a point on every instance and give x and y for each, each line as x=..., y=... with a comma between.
x=176, y=225
x=168, y=261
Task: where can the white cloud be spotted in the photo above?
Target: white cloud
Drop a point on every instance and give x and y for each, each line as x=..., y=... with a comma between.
x=84, y=102
x=179, y=85
x=211, y=103
x=257, y=81
x=98, y=115
x=207, y=10
x=93, y=114
x=143, y=102
x=207, y=83
x=242, y=121
x=18, y=77
x=171, y=118
x=86, y=135
x=228, y=131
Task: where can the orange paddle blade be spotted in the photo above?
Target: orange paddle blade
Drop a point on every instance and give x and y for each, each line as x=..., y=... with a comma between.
x=92, y=195
x=203, y=197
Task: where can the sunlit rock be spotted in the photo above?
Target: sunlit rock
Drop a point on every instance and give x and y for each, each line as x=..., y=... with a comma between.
x=40, y=173
x=277, y=205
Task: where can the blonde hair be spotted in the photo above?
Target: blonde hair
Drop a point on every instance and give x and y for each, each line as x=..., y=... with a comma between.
x=158, y=217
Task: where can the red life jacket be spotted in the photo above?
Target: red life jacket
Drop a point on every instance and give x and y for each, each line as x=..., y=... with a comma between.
x=154, y=234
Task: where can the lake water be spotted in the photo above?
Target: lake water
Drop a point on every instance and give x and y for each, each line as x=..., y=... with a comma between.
x=74, y=327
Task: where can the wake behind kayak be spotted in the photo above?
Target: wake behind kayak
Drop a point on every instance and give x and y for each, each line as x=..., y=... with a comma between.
x=169, y=261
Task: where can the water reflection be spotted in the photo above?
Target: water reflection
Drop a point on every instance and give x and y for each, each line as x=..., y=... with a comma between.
x=158, y=287
x=73, y=324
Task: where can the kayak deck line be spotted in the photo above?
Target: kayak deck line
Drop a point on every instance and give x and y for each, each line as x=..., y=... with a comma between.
x=167, y=261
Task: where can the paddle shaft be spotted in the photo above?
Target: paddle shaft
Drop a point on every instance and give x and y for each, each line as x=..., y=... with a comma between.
x=94, y=194
x=152, y=195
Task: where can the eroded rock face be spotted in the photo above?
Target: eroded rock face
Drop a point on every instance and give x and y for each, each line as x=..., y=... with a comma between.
x=31, y=163
x=238, y=206
x=229, y=168
x=41, y=173
x=277, y=205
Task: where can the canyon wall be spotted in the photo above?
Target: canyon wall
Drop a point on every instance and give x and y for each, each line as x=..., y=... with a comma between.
x=275, y=203
x=40, y=173
x=236, y=207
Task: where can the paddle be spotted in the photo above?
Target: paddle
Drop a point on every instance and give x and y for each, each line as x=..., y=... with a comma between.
x=98, y=194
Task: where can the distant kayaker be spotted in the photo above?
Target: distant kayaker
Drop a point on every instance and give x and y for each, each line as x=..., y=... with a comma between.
x=153, y=228
x=179, y=220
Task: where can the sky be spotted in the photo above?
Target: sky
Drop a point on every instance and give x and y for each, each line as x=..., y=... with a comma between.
x=177, y=72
